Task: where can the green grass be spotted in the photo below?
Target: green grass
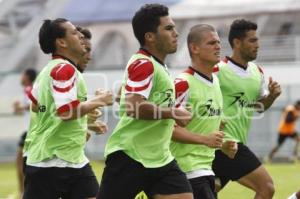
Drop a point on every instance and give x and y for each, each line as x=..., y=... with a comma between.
x=285, y=176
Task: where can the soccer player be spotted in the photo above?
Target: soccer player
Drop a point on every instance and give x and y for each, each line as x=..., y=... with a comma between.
x=98, y=127
x=56, y=164
x=27, y=79
x=86, y=58
x=244, y=91
x=198, y=88
x=287, y=128
x=137, y=153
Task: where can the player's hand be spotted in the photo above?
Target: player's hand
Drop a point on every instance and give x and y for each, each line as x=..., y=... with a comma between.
x=18, y=109
x=88, y=136
x=230, y=148
x=215, y=139
x=181, y=116
x=93, y=115
x=98, y=127
x=222, y=125
x=106, y=97
x=274, y=88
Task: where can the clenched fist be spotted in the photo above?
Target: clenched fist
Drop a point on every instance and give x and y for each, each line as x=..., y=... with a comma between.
x=274, y=88
x=98, y=127
x=106, y=97
x=230, y=148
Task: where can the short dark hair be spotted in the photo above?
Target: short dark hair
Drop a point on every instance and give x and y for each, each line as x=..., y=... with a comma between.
x=49, y=32
x=239, y=28
x=195, y=34
x=147, y=19
x=31, y=73
x=86, y=32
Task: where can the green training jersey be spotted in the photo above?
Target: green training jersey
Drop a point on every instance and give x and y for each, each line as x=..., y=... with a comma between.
x=146, y=141
x=204, y=98
x=59, y=88
x=32, y=125
x=241, y=88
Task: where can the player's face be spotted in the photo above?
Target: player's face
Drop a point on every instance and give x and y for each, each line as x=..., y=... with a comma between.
x=249, y=46
x=209, y=48
x=166, y=36
x=87, y=56
x=25, y=81
x=74, y=39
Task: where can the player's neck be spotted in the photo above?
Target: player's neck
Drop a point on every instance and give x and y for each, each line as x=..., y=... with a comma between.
x=66, y=54
x=153, y=51
x=204, y=68
x=236, y=57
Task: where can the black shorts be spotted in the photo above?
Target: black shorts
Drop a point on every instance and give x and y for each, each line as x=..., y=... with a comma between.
x=65, y=183
x=24, y=164
x=124, y=178
x=282, y=138
x=22, y=139
x=203, y=187
x=244, y=162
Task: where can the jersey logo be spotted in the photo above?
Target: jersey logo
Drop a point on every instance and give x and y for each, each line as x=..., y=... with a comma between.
x=42, y=108
x=210, y=111
x=241, y=101
x=167, y=97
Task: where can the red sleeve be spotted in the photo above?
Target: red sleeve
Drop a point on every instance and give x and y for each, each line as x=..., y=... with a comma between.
x=64, y=89
x=29, y=93
x=140, y=77
x=216, y=69
x=181, y=92
x=62, y=76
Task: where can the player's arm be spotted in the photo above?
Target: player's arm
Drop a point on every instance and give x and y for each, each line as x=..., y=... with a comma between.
x=229, y=148
x=32, y=95
x=267, y=95
x=34, y=107
x=118, y=97
x=74, y=111
x=137, y=90
x=64, y=92
x=182, y=135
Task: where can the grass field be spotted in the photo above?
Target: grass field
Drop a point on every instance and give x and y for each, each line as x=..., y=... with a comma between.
x=285, y=176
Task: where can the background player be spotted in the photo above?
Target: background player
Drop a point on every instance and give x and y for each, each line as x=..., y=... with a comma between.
x=22, y=108
x=243, y=89
x=287, y=128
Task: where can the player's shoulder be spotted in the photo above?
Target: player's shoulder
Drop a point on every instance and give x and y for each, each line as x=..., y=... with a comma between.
x=260, y=69
x=256, y=66
x=181, y=85
x=63, y=72
x=140, y=69
x=220, y=65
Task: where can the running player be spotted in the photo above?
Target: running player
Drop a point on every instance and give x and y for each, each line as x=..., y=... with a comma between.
x=137, y=154
x=27, y=79
x=98, y=127
x=244, y=91
x=287, y=128
x=198, y=88
x=56, y=164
